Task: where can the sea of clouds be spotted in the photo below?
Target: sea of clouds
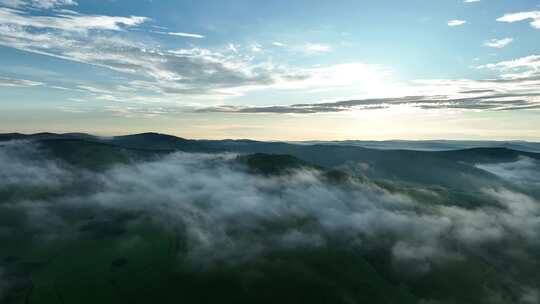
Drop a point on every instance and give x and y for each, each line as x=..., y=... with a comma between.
x=231, y=215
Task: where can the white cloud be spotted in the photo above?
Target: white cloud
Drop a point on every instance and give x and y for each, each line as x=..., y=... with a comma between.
x=524, y=171
x=521, y=16
x=498, y=43
x=11, y=82
x=52, y=3
x=181, y=34
x=456, y=22
x=256, y=48
x=171, y=75
x=165, y=73
x=314, y=48
x=68, y=23
x=93, y=89
x=522, y=67
x=43, y=4
x=233, y=48
x=356, y=212
x=471, y=1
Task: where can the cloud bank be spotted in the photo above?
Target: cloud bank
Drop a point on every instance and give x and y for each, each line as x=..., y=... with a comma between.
x=212, y=196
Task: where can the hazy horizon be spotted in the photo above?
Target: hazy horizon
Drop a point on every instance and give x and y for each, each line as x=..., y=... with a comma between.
x=120, y=134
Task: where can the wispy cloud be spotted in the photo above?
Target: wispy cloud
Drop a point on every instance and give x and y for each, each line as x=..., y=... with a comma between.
x=495, y=102
x=478, y=95
x=456, y=22
x=92, y=39
x=256, y=48
x=498, y=43
x=43, y=4
x=172, y=74
x=11, y=82
x=317, y=48
x=522, y=16
x=181, y=34
x=16, y=20
x=521, y=68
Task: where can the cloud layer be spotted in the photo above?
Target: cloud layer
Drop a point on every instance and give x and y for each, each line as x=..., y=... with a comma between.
x=227, y=215
x=488, y=100
x=94, y=40
x=212, y=195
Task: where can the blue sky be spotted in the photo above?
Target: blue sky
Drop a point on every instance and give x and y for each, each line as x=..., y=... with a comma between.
x=290, y=70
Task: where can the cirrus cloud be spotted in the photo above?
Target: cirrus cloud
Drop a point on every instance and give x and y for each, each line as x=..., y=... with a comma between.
x=42, y=4
x=17, y=19
x=11, y=82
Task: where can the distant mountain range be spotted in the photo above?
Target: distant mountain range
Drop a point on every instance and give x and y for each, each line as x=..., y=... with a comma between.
x=163, y=141
x=429, y=164
x=433, y=145
x=417, y=145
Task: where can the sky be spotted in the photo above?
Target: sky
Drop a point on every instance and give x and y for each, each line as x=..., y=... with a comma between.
x=273, y=70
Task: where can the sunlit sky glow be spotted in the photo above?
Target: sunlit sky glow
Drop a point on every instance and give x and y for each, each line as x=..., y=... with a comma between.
x=273, y=70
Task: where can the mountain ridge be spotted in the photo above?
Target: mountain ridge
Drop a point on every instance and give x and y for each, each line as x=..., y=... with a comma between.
x=367, y=144
x=437, y=168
